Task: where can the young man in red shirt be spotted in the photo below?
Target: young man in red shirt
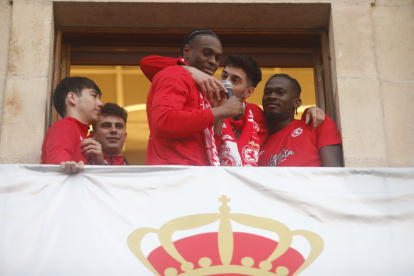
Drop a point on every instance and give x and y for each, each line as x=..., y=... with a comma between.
x=181, y=120
x=291, y=142
x=243, y=138
x=110, y=132
x=76, y=99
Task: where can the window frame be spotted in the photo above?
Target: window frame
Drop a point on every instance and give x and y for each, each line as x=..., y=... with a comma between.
x=92, y=46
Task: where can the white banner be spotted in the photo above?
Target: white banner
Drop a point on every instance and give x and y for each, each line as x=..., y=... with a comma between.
x=206, y=221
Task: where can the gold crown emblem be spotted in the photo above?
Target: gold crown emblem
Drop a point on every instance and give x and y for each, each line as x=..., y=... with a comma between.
x=253, y=145
x=225, y=244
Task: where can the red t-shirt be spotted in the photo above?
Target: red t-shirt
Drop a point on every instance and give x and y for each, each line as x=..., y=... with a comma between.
x=298, y=144
x=62, y=142
x=176, y=121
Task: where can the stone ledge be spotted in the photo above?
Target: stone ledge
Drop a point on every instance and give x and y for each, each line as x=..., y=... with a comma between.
x=19, y=160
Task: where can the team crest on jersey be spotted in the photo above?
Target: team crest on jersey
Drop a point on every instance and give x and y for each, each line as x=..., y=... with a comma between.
x=250, y=152
x=297, y=132
x=279, y=158
x=227, y=160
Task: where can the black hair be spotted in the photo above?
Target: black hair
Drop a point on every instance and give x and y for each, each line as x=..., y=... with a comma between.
x=194, y=35
x=294, y=82
x=249, y=65
x=71, y=84
x=112, y=109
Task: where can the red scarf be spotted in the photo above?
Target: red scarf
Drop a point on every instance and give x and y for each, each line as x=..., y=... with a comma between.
x=209, y=141
x=244, y=151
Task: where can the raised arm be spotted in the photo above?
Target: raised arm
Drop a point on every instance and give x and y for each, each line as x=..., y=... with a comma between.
x=151, y=65
x=208, y=85
x=168, y=118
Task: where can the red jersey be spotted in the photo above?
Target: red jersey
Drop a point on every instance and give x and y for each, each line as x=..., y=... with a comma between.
x=152, y=65
x=298, y=144
x=62, y=142
x=115, y=160
x=176, y=120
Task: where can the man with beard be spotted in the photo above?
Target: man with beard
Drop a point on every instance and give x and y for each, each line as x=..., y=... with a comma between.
x=180, y=118
x=291, y=142
x=243, y=138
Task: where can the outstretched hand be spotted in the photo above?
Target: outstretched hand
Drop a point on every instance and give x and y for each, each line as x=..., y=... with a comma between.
x=208, y=84
x=316, y=115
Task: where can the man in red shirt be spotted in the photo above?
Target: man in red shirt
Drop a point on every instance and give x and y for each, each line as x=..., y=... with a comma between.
x=76, y=99
x=181, y=120
x=243, y=138
x=110, y=132
x=291, y=142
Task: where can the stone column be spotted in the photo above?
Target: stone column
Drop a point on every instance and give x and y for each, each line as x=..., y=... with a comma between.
x=356, y=86
x=5, y=25
x=28, y=81
x=393, y=22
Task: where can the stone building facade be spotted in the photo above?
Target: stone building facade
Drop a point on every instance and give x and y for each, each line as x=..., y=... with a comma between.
x=371, y=51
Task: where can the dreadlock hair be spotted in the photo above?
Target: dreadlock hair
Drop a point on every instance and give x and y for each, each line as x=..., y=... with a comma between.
x=112, y=109
x=195, y=35
x=71, y=84
x=294, y=82
x=249, y=66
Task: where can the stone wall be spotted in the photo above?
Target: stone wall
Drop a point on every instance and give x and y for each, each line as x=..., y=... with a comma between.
x=28, y=81
x=5, y=23
x=393, y=26
x=372, y=61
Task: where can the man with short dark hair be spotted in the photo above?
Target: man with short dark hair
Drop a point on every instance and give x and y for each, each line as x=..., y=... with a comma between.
x=77, y=100
x=243, y=138
x=291, y=142
x=110, y=132
x=180, y=118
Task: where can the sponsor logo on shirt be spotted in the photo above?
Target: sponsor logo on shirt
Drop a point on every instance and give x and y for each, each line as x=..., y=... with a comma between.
x=250, y=118
x=279, y=158
x=297, y=132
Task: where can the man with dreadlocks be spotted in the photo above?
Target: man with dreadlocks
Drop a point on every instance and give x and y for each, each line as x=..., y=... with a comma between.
x=243, y=138
x=180, y=118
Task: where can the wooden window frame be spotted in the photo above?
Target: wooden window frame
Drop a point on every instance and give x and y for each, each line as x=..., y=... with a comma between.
x=286, y=48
